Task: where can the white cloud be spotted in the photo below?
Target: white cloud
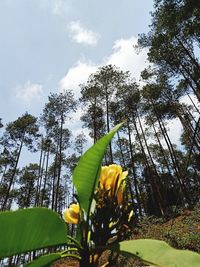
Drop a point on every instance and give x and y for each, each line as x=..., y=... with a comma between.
x=29, y=92
x=81, y=35
x=77, y=75
x=124, y=56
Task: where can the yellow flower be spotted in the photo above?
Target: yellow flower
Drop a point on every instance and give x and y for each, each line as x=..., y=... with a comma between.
x=71, y=215
x=111, y=179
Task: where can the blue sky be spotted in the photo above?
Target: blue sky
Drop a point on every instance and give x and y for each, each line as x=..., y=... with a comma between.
x=49, y=45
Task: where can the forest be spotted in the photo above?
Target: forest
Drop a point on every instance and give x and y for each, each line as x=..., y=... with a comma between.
x=163, y=175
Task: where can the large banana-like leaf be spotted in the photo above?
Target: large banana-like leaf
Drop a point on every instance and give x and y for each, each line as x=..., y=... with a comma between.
x=86, y=174
x=158, y=253
x=30, y=229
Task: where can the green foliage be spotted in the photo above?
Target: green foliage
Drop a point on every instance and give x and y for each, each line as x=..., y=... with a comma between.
x=181, y=232
x=24, y=128
x=86, y=174
x=158, y=253
x=30, y=229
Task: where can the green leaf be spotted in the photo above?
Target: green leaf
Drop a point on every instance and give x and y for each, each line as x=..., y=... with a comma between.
x=30, y=229
x=44, y=261
x=86, y=174
x=158, y=253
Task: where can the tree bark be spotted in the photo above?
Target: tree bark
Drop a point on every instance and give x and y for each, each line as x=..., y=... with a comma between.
x=59, y=163
x=13, y=174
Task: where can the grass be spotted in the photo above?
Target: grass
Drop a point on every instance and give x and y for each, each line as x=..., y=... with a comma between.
x=182, y=232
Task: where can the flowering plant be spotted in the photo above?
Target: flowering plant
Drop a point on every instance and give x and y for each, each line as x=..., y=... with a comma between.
x=103, y=215
x=110, y=221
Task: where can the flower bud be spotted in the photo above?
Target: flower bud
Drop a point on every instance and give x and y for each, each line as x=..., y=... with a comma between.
x=111, y=179
x=71, y=215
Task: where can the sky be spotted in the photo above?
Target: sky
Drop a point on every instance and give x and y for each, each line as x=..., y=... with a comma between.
x=50, y=45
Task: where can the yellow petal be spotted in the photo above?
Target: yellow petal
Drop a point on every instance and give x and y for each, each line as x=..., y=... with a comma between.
x=75, y=207
x=121, y=178
x=109, y=183
x=113, y=174
x=110, y=175
x=67, y=217
x=71, y=215
x=103, y=176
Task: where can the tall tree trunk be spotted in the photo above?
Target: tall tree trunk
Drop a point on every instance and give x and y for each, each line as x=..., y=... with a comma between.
x=188, y=128
x=194, y=105
x=163, y=154
x=41, y=178
x=121, y=152
x=146, y=166
x=94, y=122
x=45, y=176
x=133, y=170
x=161, y=201
x=39, y=172
x=59, y=163
x=173, y=156
x=190, y=150
x=196, y=91
x=54, y=178
x=108, y=124
x=193, y=60
x=13, y=174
